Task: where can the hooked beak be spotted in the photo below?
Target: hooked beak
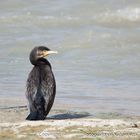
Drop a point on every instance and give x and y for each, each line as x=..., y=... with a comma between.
x=49, y=52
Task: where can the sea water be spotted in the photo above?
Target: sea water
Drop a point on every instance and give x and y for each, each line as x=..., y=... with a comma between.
x=97, y=68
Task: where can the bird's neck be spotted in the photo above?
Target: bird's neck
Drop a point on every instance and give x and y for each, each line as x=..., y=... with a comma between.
x=41, y=62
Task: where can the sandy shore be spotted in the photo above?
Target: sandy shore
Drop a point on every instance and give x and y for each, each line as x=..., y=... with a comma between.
x=63, y=124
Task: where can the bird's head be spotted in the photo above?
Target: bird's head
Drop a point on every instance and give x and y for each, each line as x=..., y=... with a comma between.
x=38, y=53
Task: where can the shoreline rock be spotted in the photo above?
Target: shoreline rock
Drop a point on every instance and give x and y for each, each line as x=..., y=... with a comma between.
x=64, y=124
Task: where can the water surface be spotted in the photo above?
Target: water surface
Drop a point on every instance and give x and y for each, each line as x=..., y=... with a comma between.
x=98, y=65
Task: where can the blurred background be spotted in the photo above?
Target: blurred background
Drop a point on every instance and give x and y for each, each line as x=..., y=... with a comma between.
x=98, y=65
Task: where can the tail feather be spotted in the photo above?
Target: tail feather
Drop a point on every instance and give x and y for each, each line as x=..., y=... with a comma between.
x=38, y=113
x=36, y=116
x=32, y=116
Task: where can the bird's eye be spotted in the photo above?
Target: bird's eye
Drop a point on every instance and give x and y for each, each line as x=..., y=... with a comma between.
x=39, y=53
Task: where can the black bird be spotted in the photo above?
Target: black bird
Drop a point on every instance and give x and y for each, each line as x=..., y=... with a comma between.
x=41, y=86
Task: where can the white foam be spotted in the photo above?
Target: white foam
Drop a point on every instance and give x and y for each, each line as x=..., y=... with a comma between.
x=129, y=14
x=132, y=14
x=60, y=18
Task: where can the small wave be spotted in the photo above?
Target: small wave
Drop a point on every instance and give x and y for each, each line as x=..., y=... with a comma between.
x=129, y=14
x=117, y=18
x=29, y=18
x=60, y=18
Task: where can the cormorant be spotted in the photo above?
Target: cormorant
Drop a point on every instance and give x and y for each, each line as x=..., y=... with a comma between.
x=41, y=86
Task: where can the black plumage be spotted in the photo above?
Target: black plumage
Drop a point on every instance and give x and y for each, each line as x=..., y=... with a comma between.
x=41, y=86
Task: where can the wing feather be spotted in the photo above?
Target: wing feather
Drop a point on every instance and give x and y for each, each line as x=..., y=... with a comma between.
x=48, y=86
x=32, y=85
